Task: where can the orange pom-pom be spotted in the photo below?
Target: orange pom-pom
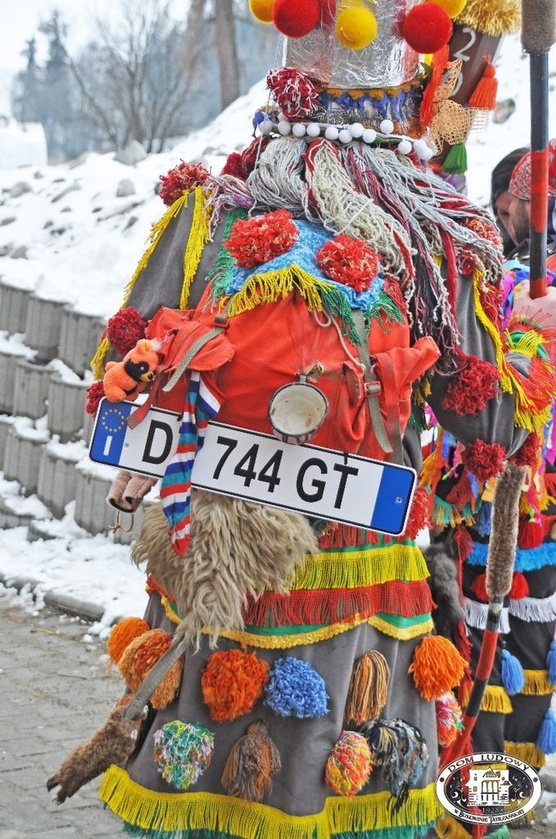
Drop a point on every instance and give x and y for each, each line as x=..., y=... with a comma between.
x=139, y=658
x=126, y=631
x=437, y=666
x=232, y=682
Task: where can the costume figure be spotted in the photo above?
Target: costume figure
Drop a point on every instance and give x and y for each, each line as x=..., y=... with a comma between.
x=325, y=255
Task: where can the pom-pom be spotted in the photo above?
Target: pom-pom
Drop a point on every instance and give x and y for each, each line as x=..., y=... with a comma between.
x=241, y=164
x=484, y=95
x=356, y=27
x=520, y=587
x=419, y=514
x=124, y=329
x=528, y=452
x=125, y=631
x=472, y=388
x=449, y=720
x=551, y=663
x=368, y=688
x=455, y=162
x=251, y=764
x=295, y=689
x=95, y=393
x=427, y=28
x=530, y=534
x=546, y=740
x=349, y=261
x=257, y=240
x=400, y=752
x=182, y=177
x=478, y=587
x=138, y=659
x=261, y=10
x=294, y=19
x=453, y=8
x=232, y=682
x=183, y=751
x=513, y=677
x=349, y=767
x=484, y=460
x=437, y=666
x=293, y=92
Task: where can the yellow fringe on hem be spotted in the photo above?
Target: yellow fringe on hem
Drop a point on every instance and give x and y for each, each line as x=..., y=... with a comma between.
x=536, y=683
x=276, y=285
x=199, y=235
x=528, y=752
x=353, y=569
x=402, y=633
x=447, y=827
x=496, y=700
x=196, y=811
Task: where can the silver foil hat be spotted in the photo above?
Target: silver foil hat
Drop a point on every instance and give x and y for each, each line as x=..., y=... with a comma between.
x=388, y=61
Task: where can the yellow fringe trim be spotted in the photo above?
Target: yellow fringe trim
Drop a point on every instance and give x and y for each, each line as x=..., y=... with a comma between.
x=97, y=361
x=527, y=752
x=199, y=235
x=503, y=17
x=354, y=569
x=496, y=700
x=536, y=683
x=168, y=611
x=447, y=827
x=198, y=810
x=277, y=285
x=402, y=633
x=503, y=367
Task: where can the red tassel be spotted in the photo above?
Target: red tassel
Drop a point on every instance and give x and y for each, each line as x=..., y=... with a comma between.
x=520, y=586
x=530, y=534
x=478, y=587
x=484, y=95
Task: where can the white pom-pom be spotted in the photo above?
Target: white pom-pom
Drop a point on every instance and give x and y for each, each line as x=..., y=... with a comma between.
x=265, y=127
x=284, y=127
x=298, y=129
x=405, y=147
x=345, y=136
x=356, y=130
x=369, y=135
x=425, y=154
x=420, y=147
x=386, y=126
x=331, y=133
x=313, y=129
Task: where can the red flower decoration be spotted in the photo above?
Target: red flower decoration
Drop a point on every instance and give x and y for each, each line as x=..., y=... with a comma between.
x=294, y=93
x=124, y=329
x=95, y=393
x=349, y=261
x=182, y=177
x=528, y=453
x=257, y=240
x=484, y=460
x=469, y=392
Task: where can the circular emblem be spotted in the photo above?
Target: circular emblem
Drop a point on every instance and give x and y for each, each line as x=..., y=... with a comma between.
x=488, y=788
x=113, y=420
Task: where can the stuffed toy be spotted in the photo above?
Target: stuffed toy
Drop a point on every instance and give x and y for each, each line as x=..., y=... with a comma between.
x=127, y=378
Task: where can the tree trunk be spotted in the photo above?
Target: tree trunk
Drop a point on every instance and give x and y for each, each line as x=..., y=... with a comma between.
x=226, y=49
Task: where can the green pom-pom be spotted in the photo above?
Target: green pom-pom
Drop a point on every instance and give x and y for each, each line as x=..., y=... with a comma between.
x=456, y=160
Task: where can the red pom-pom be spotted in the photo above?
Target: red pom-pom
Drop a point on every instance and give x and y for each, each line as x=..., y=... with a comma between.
x=530, y=534
x=294, y=19
x=520, y=586
x=528, y=453
x=295, y=94
x=419, y=514
x=241, y=164
x=182, y=177
x=349, y=261
x=471, y=389
x=427, y=28
x=484, y=460
x=257, y=240
x=478, y=587
x=95, y=393
x=124, y=329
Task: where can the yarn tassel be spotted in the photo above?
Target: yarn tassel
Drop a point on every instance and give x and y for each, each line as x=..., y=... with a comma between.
x=546, y=741
x=251, y=764
x=455, y=162
x=513, y=677
x=484, y=95
x=551, y=663
x=368, y=689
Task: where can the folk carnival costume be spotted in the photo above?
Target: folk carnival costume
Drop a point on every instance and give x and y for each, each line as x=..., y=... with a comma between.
x=326, y=255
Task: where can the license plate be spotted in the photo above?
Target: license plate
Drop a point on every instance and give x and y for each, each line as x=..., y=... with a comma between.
x=313, y=480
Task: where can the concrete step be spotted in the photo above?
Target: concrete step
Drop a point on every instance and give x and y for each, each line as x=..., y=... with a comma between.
x=22, y=454
x=6, y=422
x=79, y=338
x=14, y=303
x=57, y=478
x=43, y=327
x=31, y=385
x=10, y=353
x=66, y=406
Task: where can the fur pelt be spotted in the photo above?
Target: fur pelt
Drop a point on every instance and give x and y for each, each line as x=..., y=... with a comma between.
x=441, y=557
x=236, y=548
x=114, y=743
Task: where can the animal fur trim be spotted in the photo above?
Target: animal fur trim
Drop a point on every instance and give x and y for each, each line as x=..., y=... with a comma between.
x=236, y=548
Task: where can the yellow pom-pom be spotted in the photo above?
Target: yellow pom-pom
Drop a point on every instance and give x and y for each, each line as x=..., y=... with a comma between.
x=123, y=634
x=261, y=10
x=349, y=766
x=437, y=666
x=356, y=28
x=453, y=8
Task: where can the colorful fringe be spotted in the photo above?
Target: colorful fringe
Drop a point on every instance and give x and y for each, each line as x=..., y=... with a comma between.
x=528, y=752
x=447, y=827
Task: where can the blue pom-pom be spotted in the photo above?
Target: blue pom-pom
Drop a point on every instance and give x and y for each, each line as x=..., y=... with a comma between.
x=513, y=677
x=295, y=689
x=551, y=663
x=546, y=741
